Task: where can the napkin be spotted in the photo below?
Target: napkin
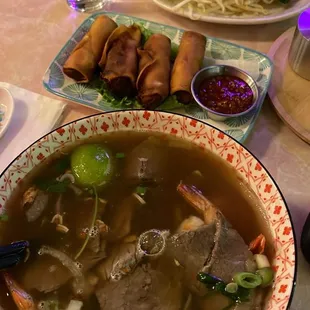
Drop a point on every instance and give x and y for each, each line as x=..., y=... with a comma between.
x=34, y=116
x=250, y=67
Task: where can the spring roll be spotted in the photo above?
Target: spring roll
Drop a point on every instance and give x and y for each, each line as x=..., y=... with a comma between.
x=154, y=71
x=84, y=59
x=119, y=61
x=188, y=62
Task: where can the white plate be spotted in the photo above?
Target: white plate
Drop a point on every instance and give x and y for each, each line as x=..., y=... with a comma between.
x=6, y=110
x=293, y=10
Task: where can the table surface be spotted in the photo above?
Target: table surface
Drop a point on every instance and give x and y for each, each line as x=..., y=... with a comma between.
x=33, y=31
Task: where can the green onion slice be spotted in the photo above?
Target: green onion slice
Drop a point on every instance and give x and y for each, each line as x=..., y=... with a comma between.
x=141, y=190
x=120, y=155
x=267, y=275
x=231, y=288
x=247, y=279
x=4, y=217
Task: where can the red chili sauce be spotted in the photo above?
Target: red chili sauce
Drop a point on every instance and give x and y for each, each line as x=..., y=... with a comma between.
x=225, y=94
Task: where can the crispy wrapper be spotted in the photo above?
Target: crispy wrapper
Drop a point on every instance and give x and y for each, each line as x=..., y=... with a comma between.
x=153, y=82
x=84, y=59
x=187, y=64
x=119, y=61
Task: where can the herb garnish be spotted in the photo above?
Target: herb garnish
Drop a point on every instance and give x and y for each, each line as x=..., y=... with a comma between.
x=53, y=186
x=120, y=155
x=141, y=190
x=62, y=165
x=218, y=285
x=4, y=217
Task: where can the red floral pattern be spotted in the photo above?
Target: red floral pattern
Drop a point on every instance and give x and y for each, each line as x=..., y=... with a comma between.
x=61, y=131
x=282, y=288
x=83, y=130
x=277, y=210
x=40, y=157
x=146, y=115
x=201, y=134
x=193, y=123
x=230, y=158
x=287, y=230
x=221, y=136
x=126, y=121
x=267, y=188
x=104, y=126
x=258, y=167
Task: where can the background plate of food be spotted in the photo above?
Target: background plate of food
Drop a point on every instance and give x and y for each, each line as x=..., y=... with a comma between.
x=237, y=12
x=156, y=71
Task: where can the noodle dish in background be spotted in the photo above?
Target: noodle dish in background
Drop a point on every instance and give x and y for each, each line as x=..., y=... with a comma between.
x=239, y=12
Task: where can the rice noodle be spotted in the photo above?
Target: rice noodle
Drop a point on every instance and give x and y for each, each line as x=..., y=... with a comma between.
x=63, y=258
x=67, y=176
x=74, y=267
x=224, y=7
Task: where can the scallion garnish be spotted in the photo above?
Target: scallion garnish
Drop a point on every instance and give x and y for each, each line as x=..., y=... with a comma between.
x=218, y=285
x=267, y=275
x=53, y=186
x=120, y=155
x=141, y=190
x=231, y=288
x=4, y=217
x=247, y=279
x=91, y=226
x=241, y=295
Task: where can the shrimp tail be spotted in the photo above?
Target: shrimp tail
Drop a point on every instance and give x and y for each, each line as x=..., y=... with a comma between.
x=21, y=298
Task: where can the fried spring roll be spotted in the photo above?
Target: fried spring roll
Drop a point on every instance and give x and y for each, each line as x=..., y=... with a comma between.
x=187, y=64
x=154, y=71
x=84, y=59
x=119, y=61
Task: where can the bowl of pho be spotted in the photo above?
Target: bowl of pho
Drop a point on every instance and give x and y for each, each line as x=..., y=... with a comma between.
x=142, y=209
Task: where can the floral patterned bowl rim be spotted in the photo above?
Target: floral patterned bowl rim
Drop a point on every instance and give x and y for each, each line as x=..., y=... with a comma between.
x=204, y=135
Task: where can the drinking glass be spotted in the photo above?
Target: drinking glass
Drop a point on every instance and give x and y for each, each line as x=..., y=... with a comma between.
x=86, y=5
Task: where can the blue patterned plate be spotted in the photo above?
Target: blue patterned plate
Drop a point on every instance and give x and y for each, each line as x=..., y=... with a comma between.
x=217, y=52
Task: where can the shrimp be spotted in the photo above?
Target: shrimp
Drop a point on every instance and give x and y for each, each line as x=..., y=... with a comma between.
x=195, y=198
x=22, y=299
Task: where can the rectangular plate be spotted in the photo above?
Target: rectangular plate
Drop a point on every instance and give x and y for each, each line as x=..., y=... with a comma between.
x=217, y=51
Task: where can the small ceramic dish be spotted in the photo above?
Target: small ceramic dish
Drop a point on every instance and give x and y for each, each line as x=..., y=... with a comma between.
x=223, y=70
x=6, y=110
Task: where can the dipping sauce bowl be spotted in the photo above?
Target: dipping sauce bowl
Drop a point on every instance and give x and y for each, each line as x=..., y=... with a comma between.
x=224, y=91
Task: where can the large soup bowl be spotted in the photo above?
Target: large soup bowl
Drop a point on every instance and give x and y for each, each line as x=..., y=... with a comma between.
x=207, y=137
